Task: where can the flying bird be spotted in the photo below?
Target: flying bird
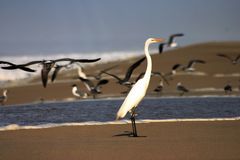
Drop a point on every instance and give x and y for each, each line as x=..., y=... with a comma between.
x=57, y=69
x=138, y=90
x=191, y=63
x=181, y=88
x=188, y=68
x=125, y=81
x=98, y=76
x=171, y=43
x=16, y=66
x=3, y=98
x=234, y=61
x=77, y=93
x=93, y=89
x=173, y=71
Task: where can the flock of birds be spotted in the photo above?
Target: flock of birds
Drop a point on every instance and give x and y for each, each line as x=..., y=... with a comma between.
x=95, y=89
x=136, y=89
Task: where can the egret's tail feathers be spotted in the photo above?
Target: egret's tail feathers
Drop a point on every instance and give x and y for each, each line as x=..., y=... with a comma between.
x=120, y=114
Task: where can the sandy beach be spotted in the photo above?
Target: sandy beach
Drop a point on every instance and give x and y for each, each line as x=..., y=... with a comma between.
x=162, y=140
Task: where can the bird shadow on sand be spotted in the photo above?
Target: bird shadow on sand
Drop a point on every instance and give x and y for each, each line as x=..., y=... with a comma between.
x=127, y=134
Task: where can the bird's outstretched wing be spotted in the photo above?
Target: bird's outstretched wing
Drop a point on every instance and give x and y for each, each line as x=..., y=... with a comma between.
x=160, y=47
x=182, y=88
x=237, y=58
x=192, y=62
x=161, y=75
x=171, y=38
x=32, y=63
x=55, y=72
x=98, y=76
x=14, y=66
x=132, y=67
x=8, y=63
x=176, y=66
x=89, y=84
x=77, y=60
x=224, y=56
x=57, y=69
x=139, y=76
x=107, y=69
x=102, y=82
x=112, y=75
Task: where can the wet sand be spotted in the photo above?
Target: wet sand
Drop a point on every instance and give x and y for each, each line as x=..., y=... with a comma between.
x=160, y=140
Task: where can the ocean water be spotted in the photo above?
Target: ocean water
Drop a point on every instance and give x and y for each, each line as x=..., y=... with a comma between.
x=103, y=111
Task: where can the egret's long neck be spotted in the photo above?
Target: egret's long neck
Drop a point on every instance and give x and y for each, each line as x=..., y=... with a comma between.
x=149, y=62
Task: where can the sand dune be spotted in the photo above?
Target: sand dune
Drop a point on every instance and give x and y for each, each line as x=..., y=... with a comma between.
x=216, y=73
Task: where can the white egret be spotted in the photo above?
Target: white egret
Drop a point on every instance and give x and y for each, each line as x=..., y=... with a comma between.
x=139, y=89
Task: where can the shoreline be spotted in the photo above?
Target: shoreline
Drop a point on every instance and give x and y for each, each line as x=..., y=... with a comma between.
x=167, y=140
x=14, y=127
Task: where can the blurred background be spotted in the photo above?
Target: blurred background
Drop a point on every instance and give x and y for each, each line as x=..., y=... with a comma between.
x=90, y=26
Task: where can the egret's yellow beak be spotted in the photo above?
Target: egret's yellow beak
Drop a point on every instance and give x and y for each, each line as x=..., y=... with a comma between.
x=158, y=40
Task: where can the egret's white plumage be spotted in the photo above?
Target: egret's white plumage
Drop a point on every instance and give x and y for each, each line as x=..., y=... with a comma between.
x=138, y=91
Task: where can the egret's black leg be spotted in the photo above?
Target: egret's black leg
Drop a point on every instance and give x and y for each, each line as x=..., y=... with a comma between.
x=134, y=125
x=133, y=129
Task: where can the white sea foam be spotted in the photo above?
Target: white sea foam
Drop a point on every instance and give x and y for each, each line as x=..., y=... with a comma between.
x=52, y=125
x=220, y=75
x=209, y=89
x=191, y=73
x=6, y=75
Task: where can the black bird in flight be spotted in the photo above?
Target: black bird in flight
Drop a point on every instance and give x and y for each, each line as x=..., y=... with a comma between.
x=234, y=61
x=171, y=43
x=125, y=80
